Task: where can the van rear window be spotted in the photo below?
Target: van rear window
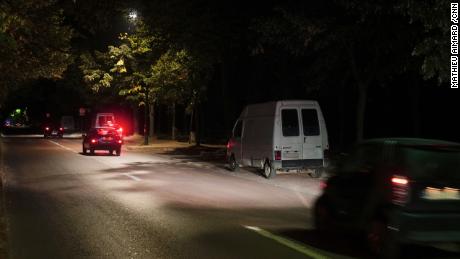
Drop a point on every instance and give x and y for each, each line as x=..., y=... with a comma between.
x=290, y=121
x=310, y=122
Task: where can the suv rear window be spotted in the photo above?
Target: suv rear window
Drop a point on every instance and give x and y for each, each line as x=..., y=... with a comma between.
x=431, y=162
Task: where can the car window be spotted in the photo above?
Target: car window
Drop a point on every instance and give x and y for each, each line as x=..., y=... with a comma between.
x=364, y=158
x=429, y=163
x=106, y=131
x=310, y=122
x=290, y=122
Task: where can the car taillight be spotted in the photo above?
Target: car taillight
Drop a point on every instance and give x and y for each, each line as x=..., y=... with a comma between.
x=323, y=185
x=400, y=190
x=229, y=144
x=278, y=155
x=47, y=128
x=93, y=141
x=119, y=141
x=61, y=129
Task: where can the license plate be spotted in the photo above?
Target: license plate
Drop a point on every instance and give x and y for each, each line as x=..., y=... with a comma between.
x=54, y=132
x=445, y=193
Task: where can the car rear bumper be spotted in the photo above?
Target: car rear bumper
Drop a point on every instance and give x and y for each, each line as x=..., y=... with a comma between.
x=427, y=227
x=104, y=146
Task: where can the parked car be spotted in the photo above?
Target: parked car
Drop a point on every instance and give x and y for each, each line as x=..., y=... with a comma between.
x=103, y=138
x=395, y=191
x=279, y=135
x=53, y=130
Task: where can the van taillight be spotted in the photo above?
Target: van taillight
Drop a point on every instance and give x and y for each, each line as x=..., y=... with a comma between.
x=278, y=155
x=93, y=141
x=400, y=190
x=323, y=185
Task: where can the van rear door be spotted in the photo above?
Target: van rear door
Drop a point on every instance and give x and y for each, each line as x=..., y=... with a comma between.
x=312, y=152
x=291, y=139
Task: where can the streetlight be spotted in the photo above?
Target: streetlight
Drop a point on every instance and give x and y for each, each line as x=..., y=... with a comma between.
x=132, y=15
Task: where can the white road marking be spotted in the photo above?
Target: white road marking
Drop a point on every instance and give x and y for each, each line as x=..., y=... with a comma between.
x=64, y=147
x=132, y=177
x=307, y=250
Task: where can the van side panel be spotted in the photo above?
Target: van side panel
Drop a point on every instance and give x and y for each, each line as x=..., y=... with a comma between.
x=257, y=141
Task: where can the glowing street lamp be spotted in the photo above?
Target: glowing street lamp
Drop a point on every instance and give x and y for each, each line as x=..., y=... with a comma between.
x=132, y=15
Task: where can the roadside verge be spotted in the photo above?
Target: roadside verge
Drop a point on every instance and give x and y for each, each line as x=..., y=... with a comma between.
x=3, y=239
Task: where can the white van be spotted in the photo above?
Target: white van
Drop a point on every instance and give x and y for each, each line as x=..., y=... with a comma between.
x=104, y=120
x=279, y=135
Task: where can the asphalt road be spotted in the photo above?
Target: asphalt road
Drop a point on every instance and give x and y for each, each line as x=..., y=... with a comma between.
x=63, y=204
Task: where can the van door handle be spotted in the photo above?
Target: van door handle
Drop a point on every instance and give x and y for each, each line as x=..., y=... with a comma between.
x=304, y=139
x=318, y=146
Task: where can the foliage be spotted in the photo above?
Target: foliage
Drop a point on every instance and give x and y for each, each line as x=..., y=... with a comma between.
x=34, y=41
x=433, y=46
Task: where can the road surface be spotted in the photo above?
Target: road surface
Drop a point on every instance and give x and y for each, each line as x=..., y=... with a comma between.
x=63, y=204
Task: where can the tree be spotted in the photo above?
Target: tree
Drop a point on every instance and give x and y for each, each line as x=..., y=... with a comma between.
x=34, y=42
x=128, y=67
x=353, y=40
x=433, y=44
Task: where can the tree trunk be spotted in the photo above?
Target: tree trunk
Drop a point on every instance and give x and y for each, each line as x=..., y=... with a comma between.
x=173, y=129
x=135, y=119
x=146, y=117
x=197, y=125
x=414, y=93
x=226, y=104
x=191, y=138
x=342, y=114
x=151, y=119
x=360, y=111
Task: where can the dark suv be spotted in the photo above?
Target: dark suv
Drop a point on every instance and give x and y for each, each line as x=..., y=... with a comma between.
x=395, y=191
x=105, y=138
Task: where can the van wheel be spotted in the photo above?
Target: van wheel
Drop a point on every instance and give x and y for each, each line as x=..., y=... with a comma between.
x=232, y=164
x=269, y=171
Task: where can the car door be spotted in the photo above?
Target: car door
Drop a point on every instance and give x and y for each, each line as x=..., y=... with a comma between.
x=291, y=139
x=312, y=149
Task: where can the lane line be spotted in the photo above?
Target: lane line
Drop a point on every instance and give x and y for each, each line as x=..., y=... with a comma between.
x=299, y=247
x=135, y=178
x=62, y=146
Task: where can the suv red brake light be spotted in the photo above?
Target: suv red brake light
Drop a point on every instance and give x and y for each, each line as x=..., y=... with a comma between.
x=400, y=190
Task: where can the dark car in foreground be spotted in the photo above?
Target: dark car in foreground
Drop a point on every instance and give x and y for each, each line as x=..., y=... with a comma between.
x=104, y=138
x=394, y=191
x=51, y=130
